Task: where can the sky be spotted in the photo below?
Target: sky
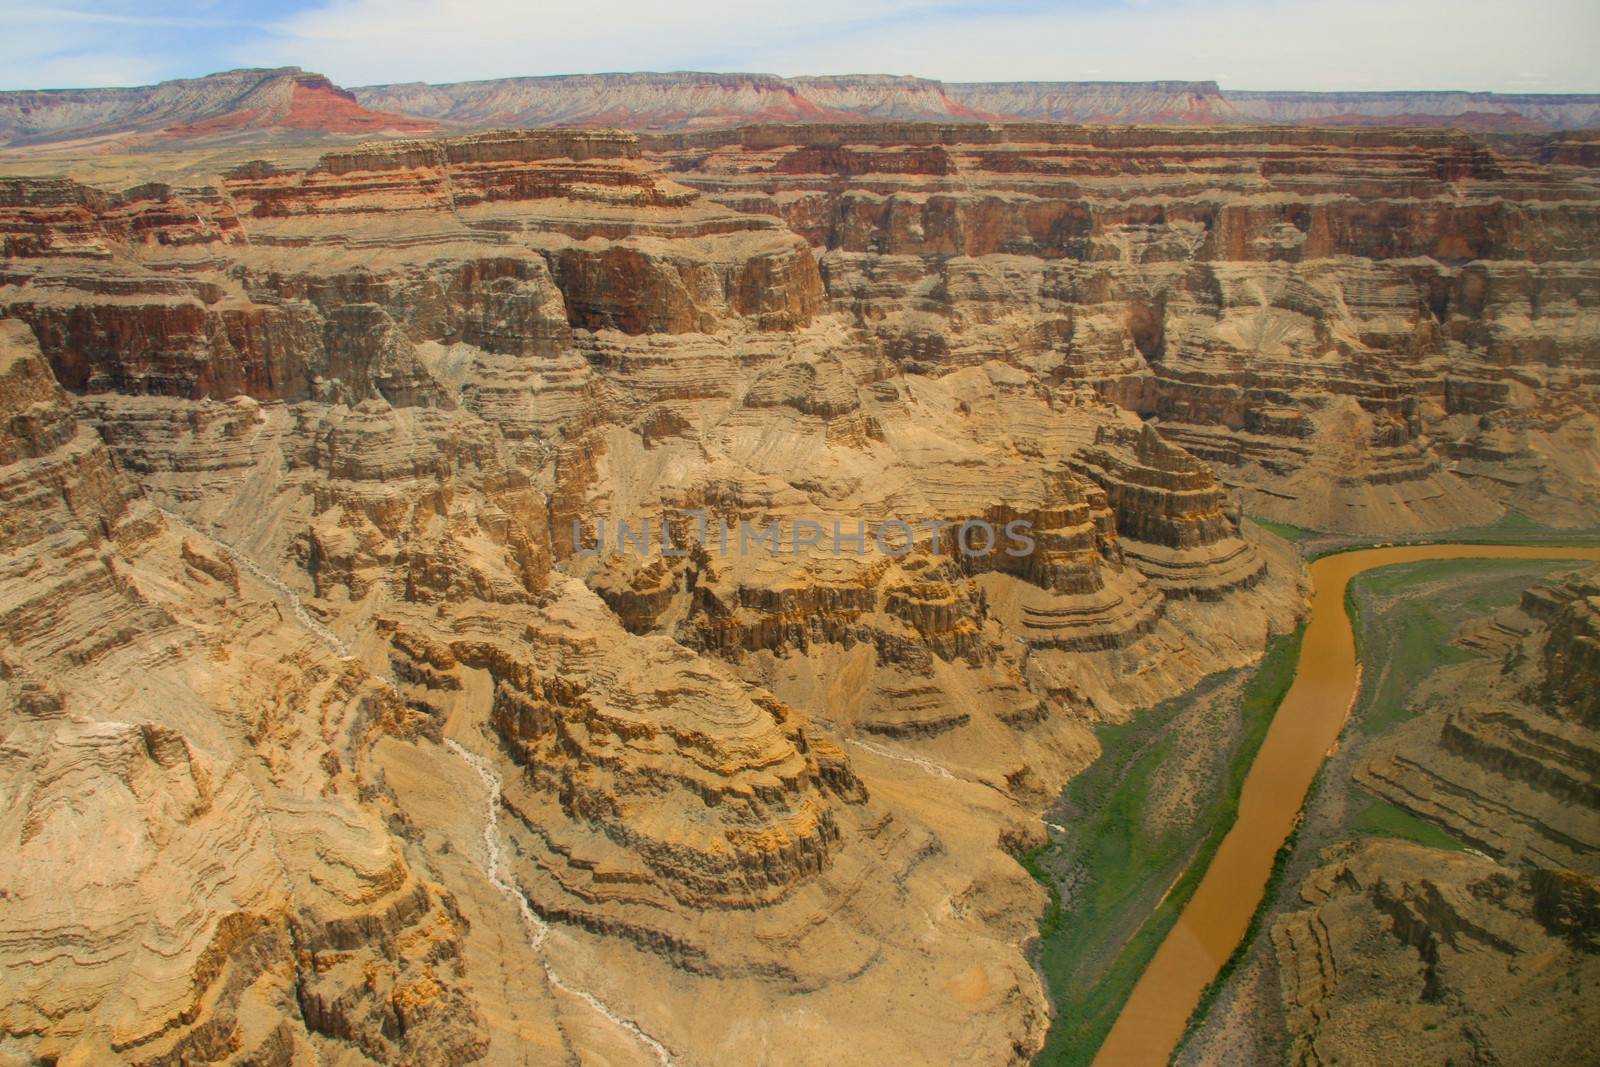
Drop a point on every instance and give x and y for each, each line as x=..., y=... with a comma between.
x=1503, y=45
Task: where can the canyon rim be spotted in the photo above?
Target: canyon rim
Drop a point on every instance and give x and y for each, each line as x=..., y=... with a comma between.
x=375, y=687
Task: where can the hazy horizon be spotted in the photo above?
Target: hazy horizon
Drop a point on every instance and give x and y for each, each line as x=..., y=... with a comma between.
x=1540, y=46
x=808, y=75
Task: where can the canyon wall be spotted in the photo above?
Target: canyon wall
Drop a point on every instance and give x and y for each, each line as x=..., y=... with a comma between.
x=284, y=103
x=1362, y=331
x=334, y=461
x=287, y=106
x=323, y=454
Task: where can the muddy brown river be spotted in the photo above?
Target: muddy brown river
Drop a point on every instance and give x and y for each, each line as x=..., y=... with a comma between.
x=1300, y=737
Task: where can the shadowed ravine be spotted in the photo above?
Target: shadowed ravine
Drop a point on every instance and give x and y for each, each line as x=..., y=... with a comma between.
x=1306, y=726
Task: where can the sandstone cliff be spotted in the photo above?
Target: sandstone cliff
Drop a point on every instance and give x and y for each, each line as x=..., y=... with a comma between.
x=689, y=100
x=1359, y=330
x=200, y=867
x=235, y=104
x=1467, y=959
x=334, y=445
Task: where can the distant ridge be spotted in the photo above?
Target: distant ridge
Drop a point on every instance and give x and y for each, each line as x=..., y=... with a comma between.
x=288, y=104
x=237, y=104
x=688, y=100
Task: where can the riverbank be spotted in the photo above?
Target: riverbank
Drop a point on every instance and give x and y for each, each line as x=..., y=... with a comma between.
x=1420, y=625
x=1307, y=724
x=1131, y=836
x=1512, y=529
x=1118, y=878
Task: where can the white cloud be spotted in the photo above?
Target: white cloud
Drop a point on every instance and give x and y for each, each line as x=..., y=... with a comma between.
x=1246, y=44
x=1255, y=44
x=77, y=70
x=1536, y=45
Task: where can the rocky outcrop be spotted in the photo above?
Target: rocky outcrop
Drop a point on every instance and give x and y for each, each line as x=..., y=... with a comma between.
x=1513, y=772
x=230, y=106
x=1570, y=660
x=1469, y=959
x=739, y=806
x=247, y=900
x=1175, y=519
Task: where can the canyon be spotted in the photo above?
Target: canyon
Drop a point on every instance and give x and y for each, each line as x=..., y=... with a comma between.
x=328, y=740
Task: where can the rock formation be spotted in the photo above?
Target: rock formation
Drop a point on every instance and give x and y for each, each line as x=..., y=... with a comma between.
x=200, y=866
x=689, y=100
x=1361, y=331
x=1467, y=959
x=247, y=105
x=526, y=597
x=1513, y=773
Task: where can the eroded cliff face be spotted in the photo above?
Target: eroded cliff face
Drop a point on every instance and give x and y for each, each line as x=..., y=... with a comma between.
x=202, y=863
x=359, y=426
x=289, y=106
x=432, y=778
x=1361, y=331
x=1513, y=771
x=1469, y=959
x=283, y=104
x=689, y=100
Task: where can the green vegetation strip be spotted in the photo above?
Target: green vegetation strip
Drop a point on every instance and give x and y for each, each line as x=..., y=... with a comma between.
x=1391, y=610
x=1287, y=531
x=1414, y=640
x=1382, y=819
x=1095, y=943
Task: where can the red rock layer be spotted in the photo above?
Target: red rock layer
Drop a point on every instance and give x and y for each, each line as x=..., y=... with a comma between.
x=1412, y=302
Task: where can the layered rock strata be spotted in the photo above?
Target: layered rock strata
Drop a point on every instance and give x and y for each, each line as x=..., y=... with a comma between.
x=289, y=106
x=691, y=100
x=1468, y=959
x=397, y=406
x=284, y=104
x=1360, y=330
x=201, y=869
x=1512, y=773
x=387, y=405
